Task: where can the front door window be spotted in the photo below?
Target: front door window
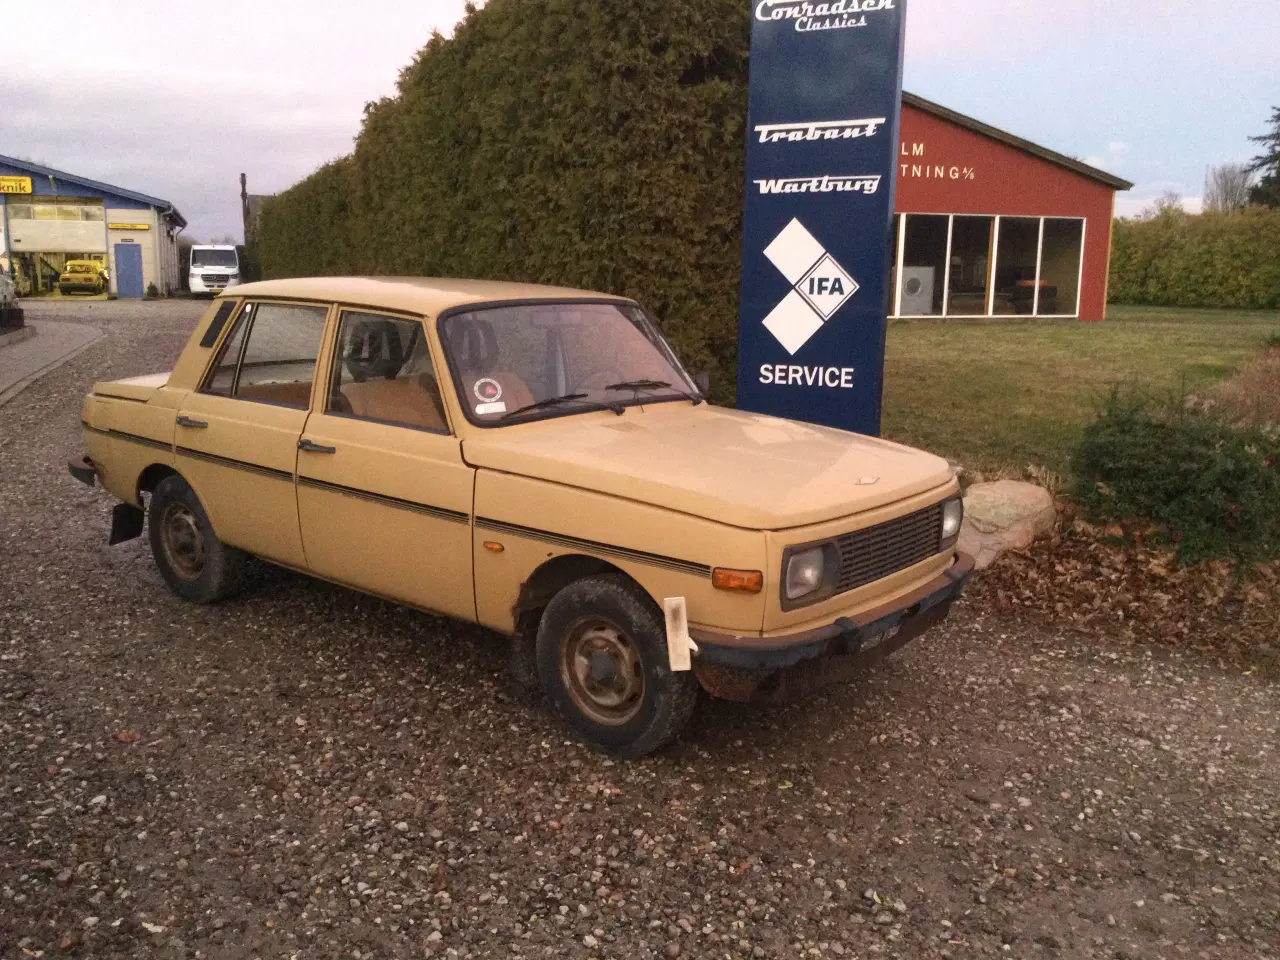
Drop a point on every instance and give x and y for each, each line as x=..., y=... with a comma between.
x=383, y=372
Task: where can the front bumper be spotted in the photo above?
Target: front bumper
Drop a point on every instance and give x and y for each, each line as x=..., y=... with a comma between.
x=770, y=669
x=215, y=287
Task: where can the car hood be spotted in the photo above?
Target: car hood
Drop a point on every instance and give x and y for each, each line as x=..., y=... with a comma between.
x=738, y=468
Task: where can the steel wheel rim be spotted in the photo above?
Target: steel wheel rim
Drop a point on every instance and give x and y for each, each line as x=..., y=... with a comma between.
x=602, y=670
x=183, y=541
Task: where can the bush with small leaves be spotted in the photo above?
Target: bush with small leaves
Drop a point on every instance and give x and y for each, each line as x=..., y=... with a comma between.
x=1202, y=482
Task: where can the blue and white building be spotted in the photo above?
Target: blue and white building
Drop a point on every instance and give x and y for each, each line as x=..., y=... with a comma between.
x=48, y=217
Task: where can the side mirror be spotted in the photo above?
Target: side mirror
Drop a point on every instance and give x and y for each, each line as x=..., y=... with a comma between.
x=702, y=380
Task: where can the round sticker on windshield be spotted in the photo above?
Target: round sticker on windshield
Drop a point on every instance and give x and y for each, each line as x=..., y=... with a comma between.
x=487, y=390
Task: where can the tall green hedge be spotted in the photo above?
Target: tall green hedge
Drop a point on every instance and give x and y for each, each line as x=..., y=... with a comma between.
x=555, y=141
x=1207, y=260
x=306, y=230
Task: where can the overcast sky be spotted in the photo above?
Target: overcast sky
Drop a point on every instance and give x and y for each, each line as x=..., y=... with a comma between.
x=176, y=99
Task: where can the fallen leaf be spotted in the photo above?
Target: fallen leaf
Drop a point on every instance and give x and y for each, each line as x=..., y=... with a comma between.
x=128, y=736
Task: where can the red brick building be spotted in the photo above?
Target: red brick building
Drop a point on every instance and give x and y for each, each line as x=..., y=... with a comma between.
x=990, y=224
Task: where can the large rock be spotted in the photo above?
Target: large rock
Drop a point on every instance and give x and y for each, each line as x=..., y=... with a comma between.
x=1004, y=515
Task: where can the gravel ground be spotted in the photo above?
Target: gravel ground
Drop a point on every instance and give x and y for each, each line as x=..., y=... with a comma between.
x=306, y=772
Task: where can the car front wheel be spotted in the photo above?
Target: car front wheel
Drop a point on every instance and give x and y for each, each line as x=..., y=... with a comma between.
x=602, y=661
x=195, y=564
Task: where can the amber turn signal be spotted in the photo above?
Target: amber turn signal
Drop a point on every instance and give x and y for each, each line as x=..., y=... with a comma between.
x=745, y=581
x=493, y=546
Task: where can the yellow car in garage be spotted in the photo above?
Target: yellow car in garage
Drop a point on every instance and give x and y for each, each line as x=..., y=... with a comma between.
x=82, y=276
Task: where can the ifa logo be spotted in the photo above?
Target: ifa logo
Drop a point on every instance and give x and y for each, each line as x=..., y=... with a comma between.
x=819, y=286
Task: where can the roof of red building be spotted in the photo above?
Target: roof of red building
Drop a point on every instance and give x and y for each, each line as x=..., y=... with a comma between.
x=1009, y=139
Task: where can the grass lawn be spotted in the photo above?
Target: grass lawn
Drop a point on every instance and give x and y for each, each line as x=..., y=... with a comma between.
x=998, y=396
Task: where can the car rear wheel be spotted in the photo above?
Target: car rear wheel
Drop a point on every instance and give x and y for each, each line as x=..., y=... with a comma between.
x=602, y=661
x=195, y=564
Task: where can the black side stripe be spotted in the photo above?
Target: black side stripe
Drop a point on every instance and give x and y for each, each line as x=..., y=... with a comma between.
x=560, y=539
x=131, y=437
x=456, y=516
x=237, y=464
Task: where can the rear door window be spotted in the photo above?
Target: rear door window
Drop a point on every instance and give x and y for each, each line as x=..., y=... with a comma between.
x=270, y=355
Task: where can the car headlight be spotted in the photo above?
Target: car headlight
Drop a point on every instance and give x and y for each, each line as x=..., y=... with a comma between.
x=952, y=518
x=805, y=573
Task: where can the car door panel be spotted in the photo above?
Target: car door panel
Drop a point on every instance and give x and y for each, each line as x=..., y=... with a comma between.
x=241, y=464
x=384, y=497
x=236, y=439
x=388, y=511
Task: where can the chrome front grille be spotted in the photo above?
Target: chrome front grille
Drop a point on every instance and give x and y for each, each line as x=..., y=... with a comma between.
x=215, y=279
x=877, y=552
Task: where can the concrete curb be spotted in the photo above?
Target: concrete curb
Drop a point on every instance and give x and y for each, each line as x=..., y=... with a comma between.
x=16, y=388
x=17, y=336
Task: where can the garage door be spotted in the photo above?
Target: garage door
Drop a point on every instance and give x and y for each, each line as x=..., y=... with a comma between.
x=63, y=226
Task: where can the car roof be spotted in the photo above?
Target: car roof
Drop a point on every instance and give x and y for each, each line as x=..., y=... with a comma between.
x=425, y=295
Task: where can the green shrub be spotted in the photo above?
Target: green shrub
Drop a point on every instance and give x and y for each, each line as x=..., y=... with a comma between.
x=1227, y=260
x=1204, y=483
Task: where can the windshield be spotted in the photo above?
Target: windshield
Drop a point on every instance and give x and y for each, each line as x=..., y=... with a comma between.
x=565, y=357
x=213, y=258
x=81, y=266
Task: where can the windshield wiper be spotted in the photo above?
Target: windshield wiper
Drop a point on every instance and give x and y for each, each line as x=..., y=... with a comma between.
x=652, y=385
x=563, y=398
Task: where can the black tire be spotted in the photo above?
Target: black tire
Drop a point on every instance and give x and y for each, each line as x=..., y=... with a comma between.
x=610, y=615
x=195, y=564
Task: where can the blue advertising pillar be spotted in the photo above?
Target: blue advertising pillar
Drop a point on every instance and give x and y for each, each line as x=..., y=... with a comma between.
x=825, y=98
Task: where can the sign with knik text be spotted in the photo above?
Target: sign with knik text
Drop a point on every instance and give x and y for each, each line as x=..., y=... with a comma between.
x=822, y=152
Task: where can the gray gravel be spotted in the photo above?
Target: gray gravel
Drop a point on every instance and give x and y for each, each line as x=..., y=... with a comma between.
x=306, y=772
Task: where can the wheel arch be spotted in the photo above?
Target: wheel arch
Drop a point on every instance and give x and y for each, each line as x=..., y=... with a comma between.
x=553, y=576
x=151, y=477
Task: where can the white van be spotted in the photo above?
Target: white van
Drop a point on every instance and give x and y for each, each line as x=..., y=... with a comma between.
x=214, y=267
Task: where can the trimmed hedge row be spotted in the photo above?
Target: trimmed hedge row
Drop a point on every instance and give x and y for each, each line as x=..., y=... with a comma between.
x=554, y=141
x=306, y=230
x=1229, y=260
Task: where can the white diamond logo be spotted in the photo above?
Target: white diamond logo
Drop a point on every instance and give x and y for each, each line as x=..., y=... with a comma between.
x=793, y=322
x=827, y=286
x=794, y=251
x=820, y=286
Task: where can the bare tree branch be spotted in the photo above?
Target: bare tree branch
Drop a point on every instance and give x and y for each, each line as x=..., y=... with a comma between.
x=1227, y=188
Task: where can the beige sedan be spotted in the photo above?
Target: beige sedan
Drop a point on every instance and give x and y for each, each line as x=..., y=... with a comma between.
x=537, y=461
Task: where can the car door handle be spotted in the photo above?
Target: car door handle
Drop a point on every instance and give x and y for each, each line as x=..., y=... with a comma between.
x=310, y=447
x=188, y=422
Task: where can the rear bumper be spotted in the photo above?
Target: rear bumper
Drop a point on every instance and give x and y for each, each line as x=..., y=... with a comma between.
x=778, y=668
x=84, y=470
